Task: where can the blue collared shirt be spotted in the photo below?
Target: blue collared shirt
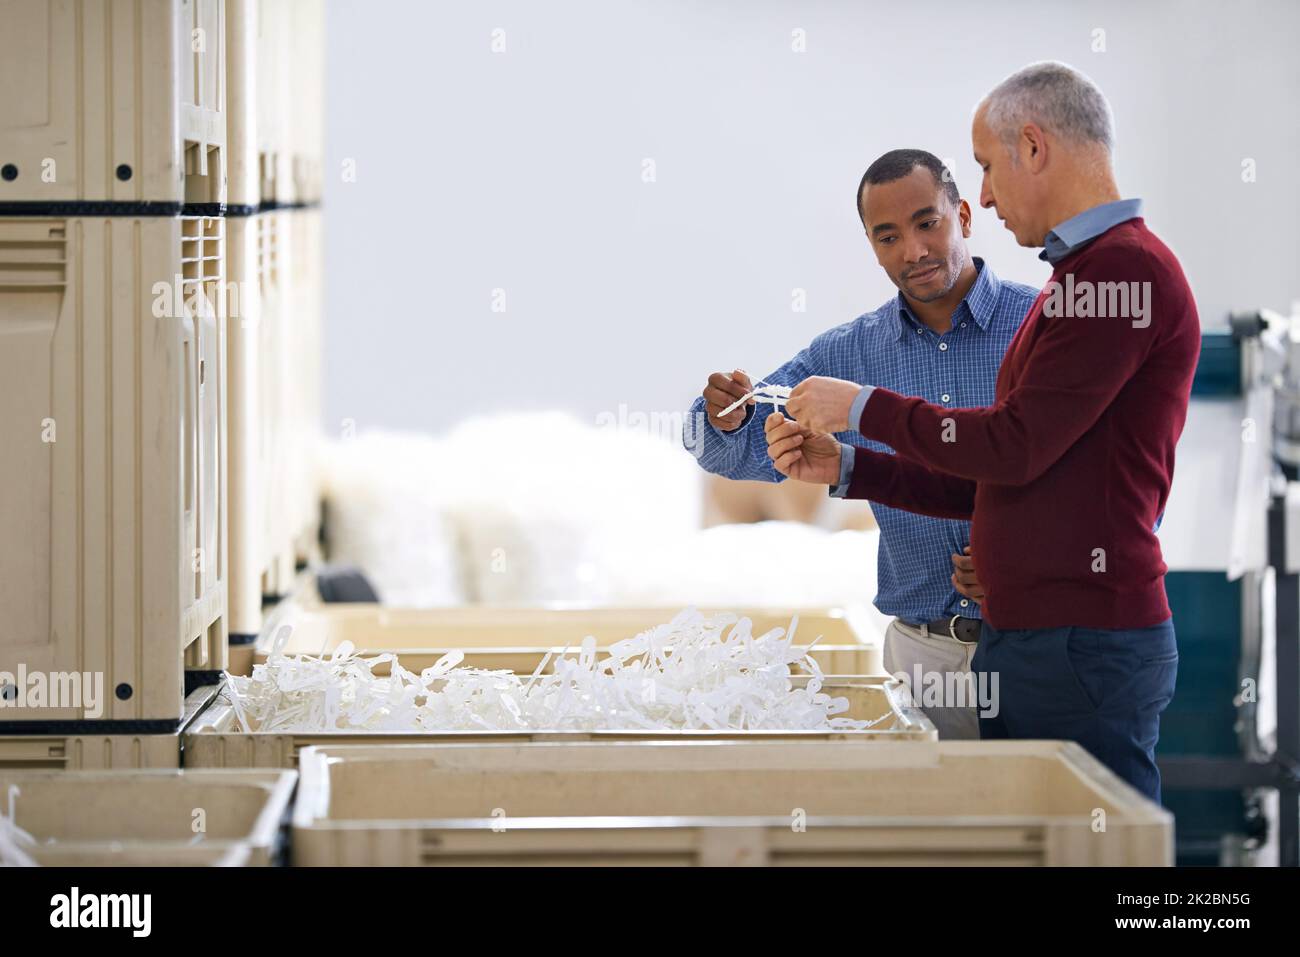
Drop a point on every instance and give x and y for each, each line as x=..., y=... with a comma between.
x=890, y=348
x=1077, y=231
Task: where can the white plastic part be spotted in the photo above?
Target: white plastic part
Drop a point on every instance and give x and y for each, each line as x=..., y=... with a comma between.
x=13, y=839
x=694, y=672
x=773, y=394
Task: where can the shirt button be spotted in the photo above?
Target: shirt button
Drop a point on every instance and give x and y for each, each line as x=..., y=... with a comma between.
x=943, y=347
x=918, y=332
x=964, y=602
x=963, y=325
x=945, y=397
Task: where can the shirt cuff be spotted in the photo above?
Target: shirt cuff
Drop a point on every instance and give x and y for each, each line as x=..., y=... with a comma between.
x=846, y=471
x=859, y=405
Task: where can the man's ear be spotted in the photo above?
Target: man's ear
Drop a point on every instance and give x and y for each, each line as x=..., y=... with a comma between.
x=1033, y=147
x=963, y=216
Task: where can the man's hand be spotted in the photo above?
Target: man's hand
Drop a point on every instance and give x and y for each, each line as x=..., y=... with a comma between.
x=822, y=404
x=963, y=577
x=721, y=392
x=801, y=453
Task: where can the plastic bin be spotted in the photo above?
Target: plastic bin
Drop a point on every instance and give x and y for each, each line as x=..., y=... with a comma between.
x=112, y=525
x=275, y=398
x=97, y=752
x=244, y=94
x=261, y=390
x=277, y=83
x=143, y=854
x=216, y=739
x=274, y=57
x=276, y=96
x=306, y=119
x=918, y=803
x=517, y=639
x=125, y=818
x=159, y=64
x=304, y=399
x=90, y=751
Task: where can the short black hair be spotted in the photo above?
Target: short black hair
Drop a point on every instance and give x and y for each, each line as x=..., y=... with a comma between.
x=896, y=164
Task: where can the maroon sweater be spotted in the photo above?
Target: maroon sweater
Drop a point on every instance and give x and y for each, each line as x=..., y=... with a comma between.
x=1064, y=475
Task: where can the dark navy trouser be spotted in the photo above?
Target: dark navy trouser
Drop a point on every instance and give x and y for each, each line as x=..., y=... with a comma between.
x=1103, y=688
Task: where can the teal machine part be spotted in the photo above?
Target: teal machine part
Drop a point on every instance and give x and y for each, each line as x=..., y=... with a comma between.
x=1207, y=608
x=1202, y=718
x=1199, y=732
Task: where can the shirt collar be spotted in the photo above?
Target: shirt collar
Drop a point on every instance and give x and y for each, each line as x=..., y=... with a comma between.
x=1078, y=231
x=978, y=302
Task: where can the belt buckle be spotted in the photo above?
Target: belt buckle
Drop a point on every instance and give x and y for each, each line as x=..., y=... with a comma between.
x=952, y=630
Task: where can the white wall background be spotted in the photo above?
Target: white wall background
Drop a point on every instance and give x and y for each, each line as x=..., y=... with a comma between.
x=522, y=171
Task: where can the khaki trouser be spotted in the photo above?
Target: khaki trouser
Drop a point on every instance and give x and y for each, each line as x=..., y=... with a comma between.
x=907, y=648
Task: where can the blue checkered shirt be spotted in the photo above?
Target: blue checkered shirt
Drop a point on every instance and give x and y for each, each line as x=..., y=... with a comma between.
x=890, y=348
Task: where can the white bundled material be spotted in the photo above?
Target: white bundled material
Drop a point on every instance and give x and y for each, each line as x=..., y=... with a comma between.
x=544, y=503
x=694, y=672
x=386, y=513
x=509, y=509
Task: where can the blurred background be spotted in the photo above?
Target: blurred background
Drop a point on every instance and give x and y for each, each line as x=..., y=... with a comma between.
x=522, y=171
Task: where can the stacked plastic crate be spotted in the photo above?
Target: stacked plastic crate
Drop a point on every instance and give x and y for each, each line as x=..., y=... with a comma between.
x=273, y=221
x=112, y=357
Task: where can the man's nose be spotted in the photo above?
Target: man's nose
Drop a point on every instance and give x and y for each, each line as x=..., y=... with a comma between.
x=915, y=251
x=986, y=194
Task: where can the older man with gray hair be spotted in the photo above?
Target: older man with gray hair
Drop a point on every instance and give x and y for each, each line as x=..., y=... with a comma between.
x=1066, y=475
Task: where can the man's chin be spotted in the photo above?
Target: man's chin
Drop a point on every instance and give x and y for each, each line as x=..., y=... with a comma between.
x=930, y=295
x=1031, y=242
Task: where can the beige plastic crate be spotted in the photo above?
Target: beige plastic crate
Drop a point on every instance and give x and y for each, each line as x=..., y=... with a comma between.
x=307, y=116
x=261, y=387
x=160, y=64
x=215, y=737
x=518, y=638
x=913, y=803
x=275, y=399
x=128, y=818
x=112, y=528
x=142, y=854
x=99, y=752
x=274, y=56
x=90, y=751
x=276, y=95
x=244, y=94
x=304, y=400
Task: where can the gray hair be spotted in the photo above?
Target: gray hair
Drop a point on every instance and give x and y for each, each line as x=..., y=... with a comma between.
x=1058, y=98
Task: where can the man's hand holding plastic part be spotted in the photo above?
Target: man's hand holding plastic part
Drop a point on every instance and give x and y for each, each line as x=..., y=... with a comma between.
x=800, y=453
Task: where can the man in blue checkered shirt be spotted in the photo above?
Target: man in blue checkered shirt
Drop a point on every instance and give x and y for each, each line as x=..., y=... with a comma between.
x=942, y=339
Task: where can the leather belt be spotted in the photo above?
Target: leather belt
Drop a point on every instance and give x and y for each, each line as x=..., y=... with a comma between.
x=965, y=630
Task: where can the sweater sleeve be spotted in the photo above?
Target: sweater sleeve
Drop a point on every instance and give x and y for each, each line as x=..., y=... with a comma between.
x=1076, y=368
x=898, y=482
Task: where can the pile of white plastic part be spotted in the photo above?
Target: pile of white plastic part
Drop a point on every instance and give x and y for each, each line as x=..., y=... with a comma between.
x=694, y=672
